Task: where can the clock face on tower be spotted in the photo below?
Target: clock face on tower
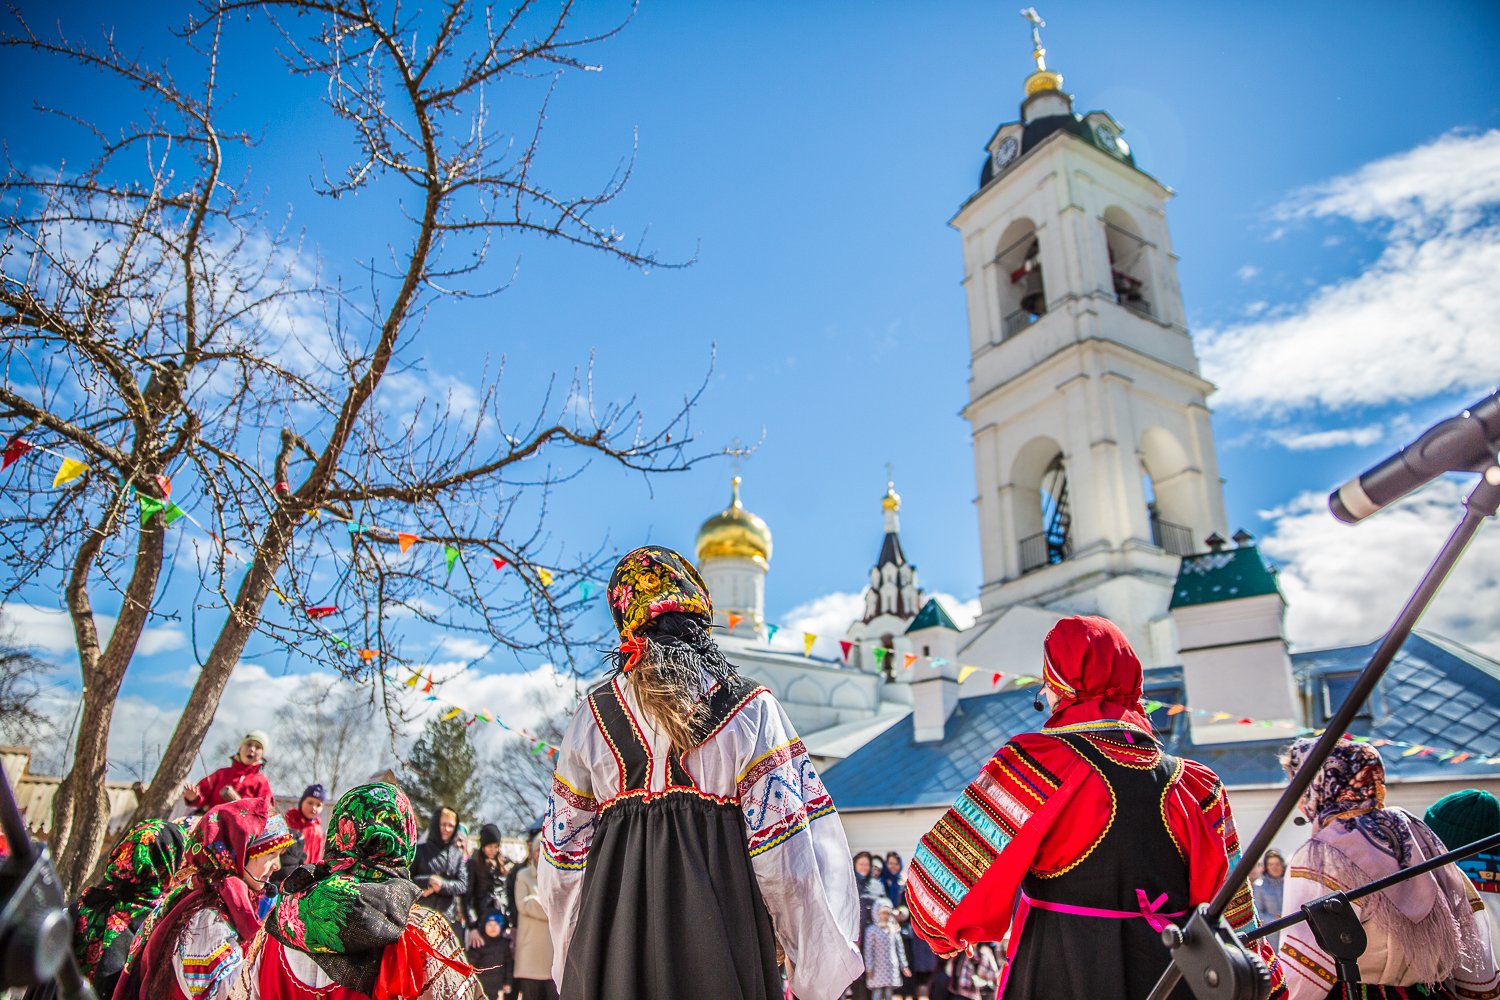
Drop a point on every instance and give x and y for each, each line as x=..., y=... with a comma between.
x=1007, y=151
x=1107, y=138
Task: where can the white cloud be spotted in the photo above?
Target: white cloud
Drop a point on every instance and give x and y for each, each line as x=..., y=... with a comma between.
x=1249, y=272
x=829, y=617
x=50, y=631
x=1417, y=322
x=1333, y=438
x=1345, y=584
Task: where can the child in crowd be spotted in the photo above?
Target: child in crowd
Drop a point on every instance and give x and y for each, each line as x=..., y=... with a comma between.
x=241, y=779
x=885, y=956
x=489, y=958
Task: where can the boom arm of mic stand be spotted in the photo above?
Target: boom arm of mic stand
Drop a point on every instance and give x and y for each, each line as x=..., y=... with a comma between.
x=1481, y=503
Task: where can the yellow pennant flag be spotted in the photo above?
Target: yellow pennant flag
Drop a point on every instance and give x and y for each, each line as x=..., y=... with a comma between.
x=1220, y=717
x=455, y=713
x=70, y=470
x=545, y=575
x=413, y=682
x=965, y=672
x=807, y=643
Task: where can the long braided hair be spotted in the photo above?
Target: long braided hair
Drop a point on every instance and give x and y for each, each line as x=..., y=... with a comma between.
x=668, y=681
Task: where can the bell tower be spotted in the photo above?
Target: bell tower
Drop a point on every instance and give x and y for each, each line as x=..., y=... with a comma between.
x=1093, y=449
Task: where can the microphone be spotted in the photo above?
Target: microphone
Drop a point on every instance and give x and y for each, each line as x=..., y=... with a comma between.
x=1465, y=443
x=1036, y=702
x=1299, y=821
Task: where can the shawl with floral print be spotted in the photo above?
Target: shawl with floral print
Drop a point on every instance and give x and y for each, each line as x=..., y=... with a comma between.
x=135, y=878
x=653, y=580
x=357, y=899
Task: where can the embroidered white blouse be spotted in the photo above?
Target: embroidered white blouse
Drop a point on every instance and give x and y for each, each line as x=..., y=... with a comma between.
x=796, y=842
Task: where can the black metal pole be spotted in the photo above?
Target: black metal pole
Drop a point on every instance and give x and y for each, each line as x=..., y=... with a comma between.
x=1396, y=878
x=1480, y=504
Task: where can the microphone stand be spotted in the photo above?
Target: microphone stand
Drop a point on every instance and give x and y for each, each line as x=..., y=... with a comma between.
x=1205, y=951
x=35, y=927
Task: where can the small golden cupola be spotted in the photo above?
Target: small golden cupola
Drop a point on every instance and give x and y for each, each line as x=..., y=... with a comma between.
x=735, y=533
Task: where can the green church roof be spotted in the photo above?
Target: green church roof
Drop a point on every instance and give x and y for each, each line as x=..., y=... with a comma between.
x=1223, y=576
x=932, y=615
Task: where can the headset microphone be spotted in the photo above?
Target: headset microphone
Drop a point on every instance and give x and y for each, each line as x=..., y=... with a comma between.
x=1037, y=703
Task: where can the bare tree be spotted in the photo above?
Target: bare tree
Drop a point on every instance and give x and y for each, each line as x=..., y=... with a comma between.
x=516, y=777
x=22, y=720
x=326, y=734
x=162, y=328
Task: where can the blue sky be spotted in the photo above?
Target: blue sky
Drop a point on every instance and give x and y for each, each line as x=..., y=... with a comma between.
x=808, y=157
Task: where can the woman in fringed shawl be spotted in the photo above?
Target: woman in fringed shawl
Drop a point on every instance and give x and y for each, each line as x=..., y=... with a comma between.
x=1424, y=938
x=191, y=945
x=1088, y=832
x=688, y=834
x=349, y=927
x=110, y=913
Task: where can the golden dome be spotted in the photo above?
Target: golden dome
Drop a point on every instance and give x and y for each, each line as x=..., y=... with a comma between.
x=735, y=533
x=892, y=500
x=1043, y=79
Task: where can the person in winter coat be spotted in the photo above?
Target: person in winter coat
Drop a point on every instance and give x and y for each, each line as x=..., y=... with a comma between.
x=1267, y=888
x=885, y=957
x=192, y=944
x=486, y=893
x=892, y=880
x=241, y=779
x=533, y=962
x=491, y=957
x=306, y=820
x=439, y=868
x=349, y=928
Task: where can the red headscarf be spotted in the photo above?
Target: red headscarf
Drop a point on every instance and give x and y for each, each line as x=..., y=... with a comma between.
x=1088, y=663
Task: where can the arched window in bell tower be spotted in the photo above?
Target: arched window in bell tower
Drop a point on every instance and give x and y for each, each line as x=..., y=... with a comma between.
x=1044, y=519
x=1018, y=268
x=1169, y=492
x=1129, y=263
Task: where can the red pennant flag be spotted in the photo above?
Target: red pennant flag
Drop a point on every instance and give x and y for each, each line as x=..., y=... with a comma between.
x=405, y=539
x=13, y=452
x=845, y=645
x=1246, y=722
x=908, y=660
x=995, y=680
x=427, y=688
x=735, y=620
x=322, y=612
x=499, y=563
x=282, y=488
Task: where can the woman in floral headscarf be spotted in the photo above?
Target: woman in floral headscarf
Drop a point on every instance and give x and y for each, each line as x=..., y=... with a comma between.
x=110, y=913
x=1424, y=938
x=349, y=927
x=191, y=945
x=1088, y=832
x=688, y=834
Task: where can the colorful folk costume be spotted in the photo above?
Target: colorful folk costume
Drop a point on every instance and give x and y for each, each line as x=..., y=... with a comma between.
x=672, y=867
x=1087, y=831
x=349, y=927
x=1460, y=819
x=192, y=943
x=1426, y=938
x=110, y=913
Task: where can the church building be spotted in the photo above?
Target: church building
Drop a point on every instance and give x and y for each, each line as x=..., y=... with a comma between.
x=1098, y=492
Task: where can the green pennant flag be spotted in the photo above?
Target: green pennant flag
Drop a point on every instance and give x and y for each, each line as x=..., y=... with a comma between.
x=537, y=749
x=150, y=507
x=173, y=513
x=342, y=643
x=1151, y=705
x=771, y=631
x=880, y=653
x=450, y=556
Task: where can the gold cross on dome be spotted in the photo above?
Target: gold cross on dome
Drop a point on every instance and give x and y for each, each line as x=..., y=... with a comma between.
x=1037, y=24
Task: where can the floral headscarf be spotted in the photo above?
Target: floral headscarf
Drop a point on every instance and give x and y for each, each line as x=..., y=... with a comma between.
x=650, y=581
x=343, y=911
x=1088, y=663
x=1351, y=782
x=135, y=878
x=213, y=872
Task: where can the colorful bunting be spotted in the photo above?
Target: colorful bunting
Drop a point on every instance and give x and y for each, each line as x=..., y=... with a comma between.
x=880, y=653
x=938, y=662
x=14, y=452
x=412, y=680
x=844, y=646
x=356, y=528
x=734, y=620
x=995, y=680
x=427, y=688
x=452, y=714
x=405, y=540
x=368, y=654
x=70, y=470
x=965, y=672
x=450, y=556
x=808, y=638
x=545, y=575
x=1176, y=709
x=319, y=612
x=771, y=631
x=908, y=660
x=586, y=590
x=163, y=483
x=150, y=506
x=499, y=563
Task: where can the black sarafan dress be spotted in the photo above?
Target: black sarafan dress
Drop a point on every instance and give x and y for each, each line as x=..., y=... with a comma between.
x=661, y=870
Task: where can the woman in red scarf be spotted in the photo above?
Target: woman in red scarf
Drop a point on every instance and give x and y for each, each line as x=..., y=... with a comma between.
x=1087, y=833
x=192, y=944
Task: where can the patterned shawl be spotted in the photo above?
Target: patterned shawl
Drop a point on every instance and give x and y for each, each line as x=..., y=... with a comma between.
x=213, y=873
x=134, y=879
x=1357, y=840
x=344, y=911
x=653, y=580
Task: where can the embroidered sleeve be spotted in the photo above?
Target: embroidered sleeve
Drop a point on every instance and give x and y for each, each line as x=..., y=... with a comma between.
x=1308, y=968
x=208, y=956
x=246, y=984
x=799, y=852
x=1201, y=822
x=967, y=840
x=567, y=832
